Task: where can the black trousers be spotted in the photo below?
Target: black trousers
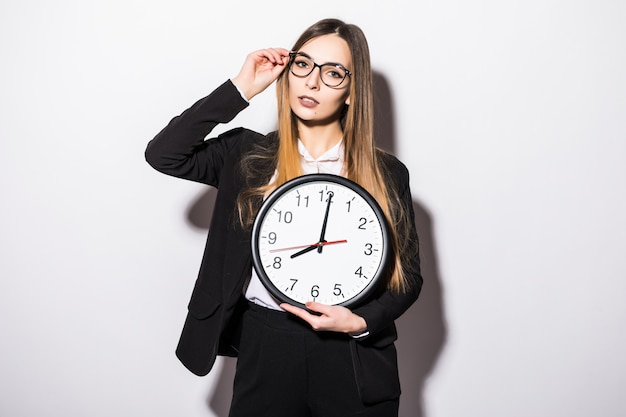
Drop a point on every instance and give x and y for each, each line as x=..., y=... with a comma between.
x=285, y=369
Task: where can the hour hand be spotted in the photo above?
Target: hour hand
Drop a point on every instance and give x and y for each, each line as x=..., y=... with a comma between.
x=305, y=250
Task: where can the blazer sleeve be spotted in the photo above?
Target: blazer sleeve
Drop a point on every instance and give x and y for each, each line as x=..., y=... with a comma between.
x=180, y=149
x=381, y=312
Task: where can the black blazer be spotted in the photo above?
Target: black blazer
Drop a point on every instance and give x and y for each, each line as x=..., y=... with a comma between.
x=213, y=319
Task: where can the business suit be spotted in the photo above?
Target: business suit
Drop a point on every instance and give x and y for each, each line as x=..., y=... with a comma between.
x=212, y=324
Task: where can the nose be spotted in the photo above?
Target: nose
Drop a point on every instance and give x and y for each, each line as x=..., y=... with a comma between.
x=313, y=79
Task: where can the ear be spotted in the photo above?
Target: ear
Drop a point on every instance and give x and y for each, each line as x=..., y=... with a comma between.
x=347, y=101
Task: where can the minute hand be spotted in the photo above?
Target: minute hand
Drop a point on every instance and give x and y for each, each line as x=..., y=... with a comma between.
x=323, y=234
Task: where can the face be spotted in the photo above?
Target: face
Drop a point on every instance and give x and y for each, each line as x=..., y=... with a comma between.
x=311, y=100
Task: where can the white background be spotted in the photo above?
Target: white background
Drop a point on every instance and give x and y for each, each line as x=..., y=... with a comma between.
x=510, y=115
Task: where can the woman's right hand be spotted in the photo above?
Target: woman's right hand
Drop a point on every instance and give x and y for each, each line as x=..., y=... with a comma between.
x=260, y=69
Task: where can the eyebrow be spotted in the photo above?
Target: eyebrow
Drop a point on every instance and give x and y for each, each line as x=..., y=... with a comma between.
x=325, y=63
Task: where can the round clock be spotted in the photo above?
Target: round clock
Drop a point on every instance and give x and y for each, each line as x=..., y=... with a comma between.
x=320, y=237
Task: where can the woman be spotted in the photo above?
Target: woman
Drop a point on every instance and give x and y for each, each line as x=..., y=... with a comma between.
x=292, y=362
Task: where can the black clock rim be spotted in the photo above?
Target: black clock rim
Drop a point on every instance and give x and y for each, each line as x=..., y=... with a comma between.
x=282, y=189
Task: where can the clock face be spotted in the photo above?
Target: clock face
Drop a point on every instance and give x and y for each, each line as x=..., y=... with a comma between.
x=321, y=238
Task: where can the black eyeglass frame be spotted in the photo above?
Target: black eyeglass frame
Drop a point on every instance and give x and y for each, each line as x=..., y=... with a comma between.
x=292, y=56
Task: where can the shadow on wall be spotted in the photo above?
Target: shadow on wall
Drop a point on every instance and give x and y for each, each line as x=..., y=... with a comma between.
x=421, y=330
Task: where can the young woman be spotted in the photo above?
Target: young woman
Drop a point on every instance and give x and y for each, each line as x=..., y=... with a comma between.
x=329, y=360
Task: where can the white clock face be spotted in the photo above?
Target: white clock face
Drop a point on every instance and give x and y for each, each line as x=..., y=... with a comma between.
x=320, y=238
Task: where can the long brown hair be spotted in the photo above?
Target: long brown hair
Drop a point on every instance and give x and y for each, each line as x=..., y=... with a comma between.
x=362, y=158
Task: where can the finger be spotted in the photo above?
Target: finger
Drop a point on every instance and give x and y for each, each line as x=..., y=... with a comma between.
x=316, y=322
x=277, y=56
x=296, y=311
x=319, y=307
x=280, y=54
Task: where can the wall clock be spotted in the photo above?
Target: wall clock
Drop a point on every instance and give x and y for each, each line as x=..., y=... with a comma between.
x=320, y=237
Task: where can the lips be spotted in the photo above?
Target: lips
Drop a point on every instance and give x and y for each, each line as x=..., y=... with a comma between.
x=307, y=101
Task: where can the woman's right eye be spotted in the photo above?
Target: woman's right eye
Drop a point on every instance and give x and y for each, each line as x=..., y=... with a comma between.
x=302, y=63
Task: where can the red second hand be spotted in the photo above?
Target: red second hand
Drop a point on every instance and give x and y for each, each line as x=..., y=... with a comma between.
x=333, y=242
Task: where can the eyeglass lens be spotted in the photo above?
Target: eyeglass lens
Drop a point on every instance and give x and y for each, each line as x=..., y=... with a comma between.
x=331, y=74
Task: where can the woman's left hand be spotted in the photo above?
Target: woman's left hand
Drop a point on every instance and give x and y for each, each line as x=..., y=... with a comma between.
x=331, y=318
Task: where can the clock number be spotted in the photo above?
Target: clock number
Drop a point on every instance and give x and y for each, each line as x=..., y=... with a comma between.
x=337, y=290
x=315, y=291
x=293, y=283
x=349, y=203
x=305, y=199
x=277, y=262
x=288, y=217
x=368, y=249
x=271, y=238
x=329, y=193
x=363, y=221
x=359, y=272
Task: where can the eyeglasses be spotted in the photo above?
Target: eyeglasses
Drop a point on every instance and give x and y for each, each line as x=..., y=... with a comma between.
x=331, y=74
